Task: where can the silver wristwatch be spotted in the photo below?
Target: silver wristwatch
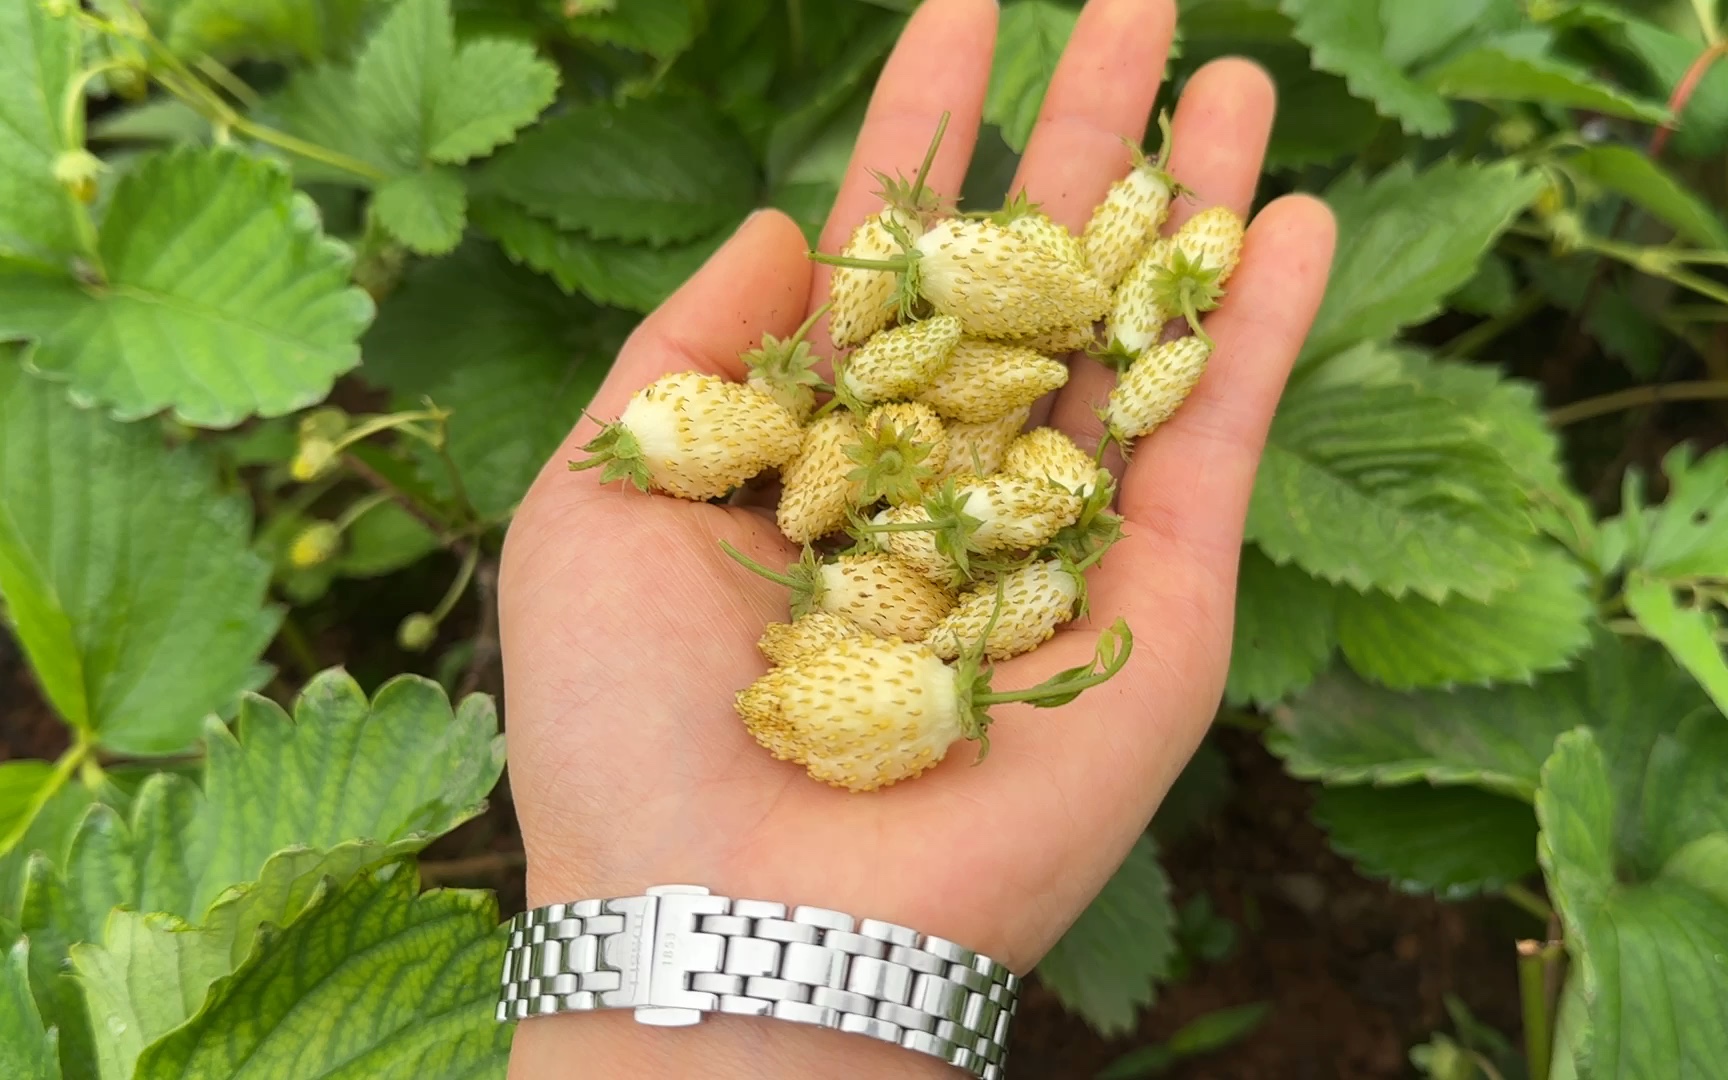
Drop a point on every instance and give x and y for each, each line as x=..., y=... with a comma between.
x=679, y=951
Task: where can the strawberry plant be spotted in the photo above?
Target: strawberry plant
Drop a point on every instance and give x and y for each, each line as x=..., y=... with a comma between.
x=296, y=298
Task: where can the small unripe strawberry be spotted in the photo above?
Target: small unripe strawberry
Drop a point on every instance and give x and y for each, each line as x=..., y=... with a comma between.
x=1137, y=314
x=878, y=592
x=695, y=436
x=1048, y=454
x=1035, y=600
x=781, y=368
x=1127, y=221
x=815, y=491
x=986, y=380
x=788, y=643
x=1154, y=387
x=898, y=363
x=314, y=544
x=863, y=300
x=866, y=713
x=979, y=448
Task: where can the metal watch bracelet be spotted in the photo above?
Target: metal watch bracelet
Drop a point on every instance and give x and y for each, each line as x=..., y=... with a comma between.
x=679, y=952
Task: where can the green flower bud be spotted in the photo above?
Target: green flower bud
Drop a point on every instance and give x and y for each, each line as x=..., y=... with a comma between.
x=315, y=544
x=417, y=632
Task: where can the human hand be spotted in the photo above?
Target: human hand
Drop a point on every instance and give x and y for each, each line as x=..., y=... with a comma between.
x=627, y=630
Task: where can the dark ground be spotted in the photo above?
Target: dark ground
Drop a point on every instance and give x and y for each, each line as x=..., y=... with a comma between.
x=1354, y=972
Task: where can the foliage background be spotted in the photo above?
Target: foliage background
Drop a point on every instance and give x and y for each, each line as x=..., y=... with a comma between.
x=296, y=295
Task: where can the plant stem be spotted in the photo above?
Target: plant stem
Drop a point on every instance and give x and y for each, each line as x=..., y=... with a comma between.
x=887, y=266
x=229, y=81
x=63, y=770
x=1589, y=408
x=359, y=509
x=298, y=645
x=1528, y=303
x=1712, y=35
x=757, y=568
x=1534, y=960
x=464, y=574
x=1529, y=901
x=454, y=541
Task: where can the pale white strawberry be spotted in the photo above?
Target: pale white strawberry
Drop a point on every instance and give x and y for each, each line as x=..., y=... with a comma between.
x=1035, y=599
x=1203, y=254
x=865, y=713
x=1001, y=284
x=1137, y=313
x=898, y=363
x=815, y=491
x=1127, y=221
x=861, y=714
x=1154, y=386
x=902, y=446
x=864, y=300
x=1051, y=455
x=1025, y=220
x=878, y=592
x=788, y=643
x=986, y=380
x=979, y=448
x=695, y=436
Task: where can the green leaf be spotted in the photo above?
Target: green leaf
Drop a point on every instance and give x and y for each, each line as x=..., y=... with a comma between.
x=1647, y=184
x=47, y=916
x=28, y=1050
x=655, y=170
x=413, y=980
x=1029, y=42
x=1702, y=130
x=1286, y=631
x=1107, y=966
x=221, y=298
x=1538, y=624
x=414, y=101
x=514, y=358
x=631, y=276
x=145, y=605
x=146, y=978
x=1407, y=240
x=398, y=771
x=660, y=28
x=1491, y=74
x=425, y=210
x=1617, y=322
x=1688, y=633
x=37, y=816
x=306, y=30
x=1389, y=487
x=1344, y=731
x=1683, y=793
x=1453, y=842
x=1419, y=32
x=384, y=540
x=1646, y=955
x=1492, y=290
x=1347, y=38
x=1210, y=1032
x=39, y=56
x=1509, y=410
x=1687, y=535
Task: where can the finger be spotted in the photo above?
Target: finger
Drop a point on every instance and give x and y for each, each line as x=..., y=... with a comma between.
x=1101, y=94
x=940, y=64
x=755, y=284
x=1188, y=482
x=1218, y=141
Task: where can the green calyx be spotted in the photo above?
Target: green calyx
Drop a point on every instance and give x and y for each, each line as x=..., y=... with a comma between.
x=615, y=450
x=1019, y=205
x=1188, y=287
x=1160, y=165
x=972, y=678
x=914, y=197
x=1083, y=544
x=945, y=516
x=803, y=578
x=785, y=365
x=890, y=466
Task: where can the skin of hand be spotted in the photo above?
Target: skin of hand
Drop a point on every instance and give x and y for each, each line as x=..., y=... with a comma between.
x=627, y=630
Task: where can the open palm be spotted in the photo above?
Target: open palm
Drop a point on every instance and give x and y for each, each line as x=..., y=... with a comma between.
x=627, y=630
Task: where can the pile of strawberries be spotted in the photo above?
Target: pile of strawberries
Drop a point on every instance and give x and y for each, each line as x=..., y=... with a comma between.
x=937, y=533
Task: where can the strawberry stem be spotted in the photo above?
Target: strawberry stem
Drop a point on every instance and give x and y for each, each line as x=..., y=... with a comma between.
x=757, y=568
x=888, y=266
x=1115, y=645
x=930, y=156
